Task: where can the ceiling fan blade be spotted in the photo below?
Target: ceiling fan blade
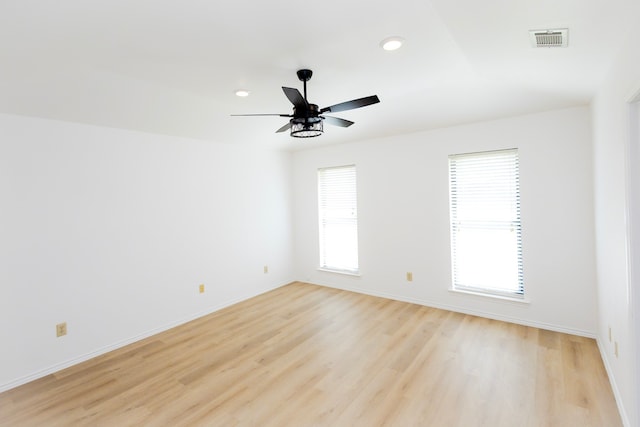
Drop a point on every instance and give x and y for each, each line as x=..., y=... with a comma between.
x=244, y=115
x=285, y=127
x=336, y=121
x=296, y=98
x=350, y=105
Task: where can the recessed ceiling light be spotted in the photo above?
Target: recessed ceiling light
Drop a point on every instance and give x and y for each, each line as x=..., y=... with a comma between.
x=392, y=43
x=242, y=93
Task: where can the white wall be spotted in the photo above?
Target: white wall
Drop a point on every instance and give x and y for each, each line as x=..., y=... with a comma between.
x=112, y=231
x=611, y=134
x=404, y=217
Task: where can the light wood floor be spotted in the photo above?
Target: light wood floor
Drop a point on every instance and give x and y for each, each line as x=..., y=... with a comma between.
x=304, y=355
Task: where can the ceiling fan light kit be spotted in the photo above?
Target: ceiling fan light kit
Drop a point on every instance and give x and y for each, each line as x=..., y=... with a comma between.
x=307, y=119
x=306, y=127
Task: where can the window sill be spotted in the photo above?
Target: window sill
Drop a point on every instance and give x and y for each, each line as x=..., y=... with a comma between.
x=344, y=272
x=496, y=297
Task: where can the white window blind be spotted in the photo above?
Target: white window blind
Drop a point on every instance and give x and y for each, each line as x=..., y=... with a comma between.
x=338, y=218
x=486, y=234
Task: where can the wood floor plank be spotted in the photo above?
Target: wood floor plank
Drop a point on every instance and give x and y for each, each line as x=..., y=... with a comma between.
x=304, y=355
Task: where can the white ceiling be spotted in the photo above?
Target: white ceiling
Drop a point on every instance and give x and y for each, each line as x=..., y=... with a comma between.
x=171, y=67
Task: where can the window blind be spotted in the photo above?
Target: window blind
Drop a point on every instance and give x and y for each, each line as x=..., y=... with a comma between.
x=486, y=233
x=338, y=218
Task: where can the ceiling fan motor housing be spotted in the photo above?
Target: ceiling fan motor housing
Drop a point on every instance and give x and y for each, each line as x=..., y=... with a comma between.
x=307, y=113
x=306, y=122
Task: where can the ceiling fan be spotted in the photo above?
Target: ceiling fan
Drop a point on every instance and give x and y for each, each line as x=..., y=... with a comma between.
x=306, y=120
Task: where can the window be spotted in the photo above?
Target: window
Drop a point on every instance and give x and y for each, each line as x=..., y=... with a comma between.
x=486, y=235
x=338, y=219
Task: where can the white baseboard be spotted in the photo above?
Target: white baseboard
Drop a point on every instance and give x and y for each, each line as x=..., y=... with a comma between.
x=614, y=385
x=83, y=358
x=479, y=313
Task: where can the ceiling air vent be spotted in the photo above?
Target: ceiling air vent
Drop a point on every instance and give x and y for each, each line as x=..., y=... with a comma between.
x=549, y=38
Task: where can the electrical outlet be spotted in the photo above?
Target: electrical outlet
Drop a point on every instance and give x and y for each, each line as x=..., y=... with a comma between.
x=201, y=288
x=61, y=329
x=615, y=348
x=409, y=276
x=265, y=269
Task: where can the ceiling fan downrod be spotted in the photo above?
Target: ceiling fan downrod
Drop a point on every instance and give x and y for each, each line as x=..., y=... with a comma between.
x=304, y=75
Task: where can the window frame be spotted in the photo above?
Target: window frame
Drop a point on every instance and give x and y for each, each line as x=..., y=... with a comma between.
x=349, y=219
x=507, y=192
